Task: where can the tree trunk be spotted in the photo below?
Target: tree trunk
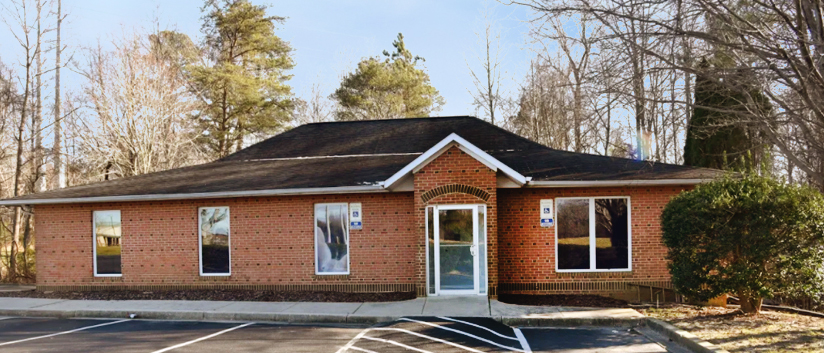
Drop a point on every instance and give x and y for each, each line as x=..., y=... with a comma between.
x=749, y=304
x=59, y=177
x=37, y=118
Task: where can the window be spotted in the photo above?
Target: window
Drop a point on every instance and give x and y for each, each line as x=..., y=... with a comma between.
x=593, y=234
x=107, y=235
x=331, y=239
x=214, y=240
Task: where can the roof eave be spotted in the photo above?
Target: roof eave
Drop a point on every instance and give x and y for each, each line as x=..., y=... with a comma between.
x=202, y=195
x=606, y=183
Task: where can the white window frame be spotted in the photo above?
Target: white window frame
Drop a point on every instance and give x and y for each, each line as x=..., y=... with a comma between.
x=592, y=241
x=348, y=237
x=200, y=242
x=94, y=244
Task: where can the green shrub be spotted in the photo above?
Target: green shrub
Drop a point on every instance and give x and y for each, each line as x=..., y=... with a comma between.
x=751, y=236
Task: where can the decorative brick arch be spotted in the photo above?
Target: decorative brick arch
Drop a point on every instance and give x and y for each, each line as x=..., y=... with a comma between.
x=455, y=188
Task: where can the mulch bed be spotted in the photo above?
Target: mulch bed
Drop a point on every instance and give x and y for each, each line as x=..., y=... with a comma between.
x=582, y=300
x=222, y=294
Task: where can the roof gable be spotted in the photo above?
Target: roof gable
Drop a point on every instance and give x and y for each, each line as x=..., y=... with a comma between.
x=454, y=140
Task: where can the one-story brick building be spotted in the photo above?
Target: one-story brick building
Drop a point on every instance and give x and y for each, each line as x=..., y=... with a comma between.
x=440, y=206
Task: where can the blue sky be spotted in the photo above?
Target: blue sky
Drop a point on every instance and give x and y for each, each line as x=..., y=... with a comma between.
x=329, y=37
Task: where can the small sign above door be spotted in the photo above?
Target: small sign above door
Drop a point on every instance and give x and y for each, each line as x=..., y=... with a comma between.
x=547, y=218
x=355, y=216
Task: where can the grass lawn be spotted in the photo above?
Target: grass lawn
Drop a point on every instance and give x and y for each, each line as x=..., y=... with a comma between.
x=599, y=242
x=734, y=331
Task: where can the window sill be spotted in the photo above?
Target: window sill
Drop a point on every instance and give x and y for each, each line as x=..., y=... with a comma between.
x=334, y=277
x=595, y=274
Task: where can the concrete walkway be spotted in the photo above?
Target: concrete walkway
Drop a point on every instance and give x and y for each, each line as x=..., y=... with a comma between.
x=320, y=312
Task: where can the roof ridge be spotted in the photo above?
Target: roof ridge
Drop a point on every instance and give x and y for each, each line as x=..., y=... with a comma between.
x=322, y=157
x=394, y=119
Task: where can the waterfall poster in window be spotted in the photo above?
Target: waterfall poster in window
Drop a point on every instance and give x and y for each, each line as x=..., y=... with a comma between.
x=215, y=256
x=331, y=239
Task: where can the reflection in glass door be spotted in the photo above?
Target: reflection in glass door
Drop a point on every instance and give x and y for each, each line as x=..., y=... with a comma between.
x=456, y=234
x=456, y=249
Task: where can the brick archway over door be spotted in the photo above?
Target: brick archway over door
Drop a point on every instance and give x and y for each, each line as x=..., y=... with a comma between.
x=455, y=188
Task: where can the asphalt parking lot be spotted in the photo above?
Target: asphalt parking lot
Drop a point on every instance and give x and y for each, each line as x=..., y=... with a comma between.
x=418, y=334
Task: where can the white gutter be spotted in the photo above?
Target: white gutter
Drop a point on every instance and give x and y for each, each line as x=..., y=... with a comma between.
x=202, y=195
x=604, y=183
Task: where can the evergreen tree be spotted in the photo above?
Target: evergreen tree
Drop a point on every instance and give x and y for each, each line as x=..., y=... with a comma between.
x=386, y=89
x=242, y=79
x=717, y=136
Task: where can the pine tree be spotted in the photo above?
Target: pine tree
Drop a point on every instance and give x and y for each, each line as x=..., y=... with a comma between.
x=717, y=137
x=386, y=89
x=242, y=82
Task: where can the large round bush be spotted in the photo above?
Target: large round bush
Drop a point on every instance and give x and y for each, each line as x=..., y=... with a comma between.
x=753, y=236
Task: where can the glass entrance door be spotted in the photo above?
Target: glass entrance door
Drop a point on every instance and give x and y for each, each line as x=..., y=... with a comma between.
x=454, y=258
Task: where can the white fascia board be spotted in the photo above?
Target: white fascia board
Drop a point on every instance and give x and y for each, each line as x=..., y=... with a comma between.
x=454, y=140
x=605, y=183
x=202, y=195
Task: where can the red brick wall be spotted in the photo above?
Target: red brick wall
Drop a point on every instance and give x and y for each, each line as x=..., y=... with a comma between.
x=272, y=238
x=271, y=242
x=456, y=167
x=527, y=251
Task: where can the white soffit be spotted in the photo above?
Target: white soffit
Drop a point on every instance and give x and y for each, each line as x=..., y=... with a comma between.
x=454, y=140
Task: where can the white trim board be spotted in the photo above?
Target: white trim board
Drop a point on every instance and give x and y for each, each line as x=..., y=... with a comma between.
x=605, y=183
x=454, y=140
x=202, y=195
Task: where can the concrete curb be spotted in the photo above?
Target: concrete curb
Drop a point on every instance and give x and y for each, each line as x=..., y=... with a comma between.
x=684, y=338
x=571, y=322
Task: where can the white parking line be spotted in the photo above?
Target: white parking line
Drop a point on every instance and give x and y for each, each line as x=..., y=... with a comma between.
x=478, y=326
x=203, y=338
x=464, y=333
x=396, y=343
x=362, y=350
x=522, y=339
x=427, y=337
x=352, y=341
x=62, y=333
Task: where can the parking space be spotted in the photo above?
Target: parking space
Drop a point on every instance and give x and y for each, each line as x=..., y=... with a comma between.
x=414, y=334
x=438, y=334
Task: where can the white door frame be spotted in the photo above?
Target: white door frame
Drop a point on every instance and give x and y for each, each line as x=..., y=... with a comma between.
x=474, y=248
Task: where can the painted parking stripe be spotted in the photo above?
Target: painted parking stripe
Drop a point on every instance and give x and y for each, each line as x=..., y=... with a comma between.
x=522, y=339
x=203, y=338
x=63, y=333
x=480, y=327
x=427, y=337
x=395, y=343
x=465, y=334
x=362, y=350
x=352, y=341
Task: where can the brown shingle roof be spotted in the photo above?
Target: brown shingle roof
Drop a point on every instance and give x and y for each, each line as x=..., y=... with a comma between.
x=367, y=153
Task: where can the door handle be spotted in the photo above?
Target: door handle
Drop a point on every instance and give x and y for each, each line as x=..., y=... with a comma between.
x=472, y=249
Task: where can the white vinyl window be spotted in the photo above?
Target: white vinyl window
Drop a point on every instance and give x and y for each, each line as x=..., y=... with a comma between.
x=106, y=244
x=593, y=234
x=214, y=241
x=331, y=239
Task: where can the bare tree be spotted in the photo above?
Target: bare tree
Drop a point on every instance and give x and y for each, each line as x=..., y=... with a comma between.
x=317, y=109
x=16, y=15
x=544, y=107
x=779, y=45
x=138, y=112
x=59, y=173
x=487, y=94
